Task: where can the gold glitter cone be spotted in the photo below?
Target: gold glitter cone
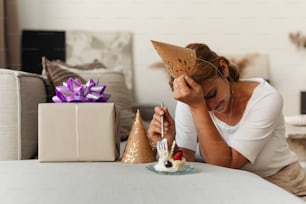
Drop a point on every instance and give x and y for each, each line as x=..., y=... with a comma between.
x=178, y=60
x=138, y=149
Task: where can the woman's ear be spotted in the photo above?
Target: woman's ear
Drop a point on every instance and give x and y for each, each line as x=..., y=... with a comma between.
x=223, y=67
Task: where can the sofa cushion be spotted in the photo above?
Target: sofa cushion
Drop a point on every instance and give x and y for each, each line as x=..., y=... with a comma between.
x=114, y=49
x=116, y=86
x=95, y=64
x=18, y=118
x=56, y=74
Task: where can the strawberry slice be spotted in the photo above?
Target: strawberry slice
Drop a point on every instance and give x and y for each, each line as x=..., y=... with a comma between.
x=178, y=155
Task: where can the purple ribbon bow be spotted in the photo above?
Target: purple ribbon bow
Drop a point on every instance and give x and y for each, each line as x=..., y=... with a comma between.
x=74, y=91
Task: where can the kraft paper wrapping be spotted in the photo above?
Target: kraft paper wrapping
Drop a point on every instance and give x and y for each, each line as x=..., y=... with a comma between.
x=138, y=149
x=178, y=60
x=78, y=132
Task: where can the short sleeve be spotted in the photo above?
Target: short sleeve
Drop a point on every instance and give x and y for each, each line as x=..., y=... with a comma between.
x=258, y=125
x=186, y=136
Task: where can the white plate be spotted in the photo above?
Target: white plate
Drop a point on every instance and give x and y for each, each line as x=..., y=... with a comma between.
x=188, y=169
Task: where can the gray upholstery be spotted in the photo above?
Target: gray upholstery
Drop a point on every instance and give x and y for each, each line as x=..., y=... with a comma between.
x=20, y=94
x=29, y=181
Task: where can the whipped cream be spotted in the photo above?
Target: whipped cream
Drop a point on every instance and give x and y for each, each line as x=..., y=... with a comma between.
x=168, y=162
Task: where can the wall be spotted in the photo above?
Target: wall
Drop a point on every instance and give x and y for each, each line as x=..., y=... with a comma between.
x=230, y=26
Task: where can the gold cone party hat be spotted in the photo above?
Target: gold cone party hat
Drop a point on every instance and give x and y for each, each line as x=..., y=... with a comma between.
x=178, y=60
x=138, y=149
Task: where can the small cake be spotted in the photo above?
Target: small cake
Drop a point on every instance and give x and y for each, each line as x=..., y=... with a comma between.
x=168, y=162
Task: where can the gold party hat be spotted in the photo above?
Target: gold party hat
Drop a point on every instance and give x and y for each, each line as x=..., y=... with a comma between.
x=178, y=60
x=138, y=149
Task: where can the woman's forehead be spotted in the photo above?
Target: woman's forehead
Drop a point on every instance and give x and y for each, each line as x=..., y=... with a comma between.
x=209, y=83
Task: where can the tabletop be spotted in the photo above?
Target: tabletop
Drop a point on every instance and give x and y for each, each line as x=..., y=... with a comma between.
x=29, y=181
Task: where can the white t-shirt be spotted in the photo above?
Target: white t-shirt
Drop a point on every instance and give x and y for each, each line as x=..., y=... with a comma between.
x=259, y=135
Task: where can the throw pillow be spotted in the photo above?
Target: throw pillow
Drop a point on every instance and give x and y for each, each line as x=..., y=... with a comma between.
x=116, y=86
x=96, y=64
x=55, y=74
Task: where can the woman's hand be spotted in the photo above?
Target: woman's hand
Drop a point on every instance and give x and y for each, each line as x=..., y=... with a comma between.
x=186, y=90
x=154, y=130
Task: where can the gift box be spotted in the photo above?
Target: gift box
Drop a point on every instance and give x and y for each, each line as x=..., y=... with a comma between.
x=78, y=132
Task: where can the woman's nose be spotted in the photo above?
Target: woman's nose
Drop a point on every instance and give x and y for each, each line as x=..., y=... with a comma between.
x=211, y=104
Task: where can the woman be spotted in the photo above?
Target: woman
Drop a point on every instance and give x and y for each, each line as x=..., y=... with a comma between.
x=237, y=123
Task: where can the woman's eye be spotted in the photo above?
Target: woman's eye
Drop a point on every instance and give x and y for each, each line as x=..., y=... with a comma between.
x=211, y=94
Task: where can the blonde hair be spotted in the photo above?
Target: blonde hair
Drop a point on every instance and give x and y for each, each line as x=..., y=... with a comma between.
x=207, y=65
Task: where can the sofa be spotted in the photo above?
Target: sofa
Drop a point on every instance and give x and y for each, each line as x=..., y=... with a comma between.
x=21, y=93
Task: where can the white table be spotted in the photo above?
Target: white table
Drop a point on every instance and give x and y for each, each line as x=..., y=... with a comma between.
x=28, y=181
x=296, y=131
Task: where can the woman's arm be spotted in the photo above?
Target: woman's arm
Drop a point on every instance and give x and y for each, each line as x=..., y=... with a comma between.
x=188, y=154
x=213, y=147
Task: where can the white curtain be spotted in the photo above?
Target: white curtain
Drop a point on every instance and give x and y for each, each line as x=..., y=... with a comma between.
x=9, y=35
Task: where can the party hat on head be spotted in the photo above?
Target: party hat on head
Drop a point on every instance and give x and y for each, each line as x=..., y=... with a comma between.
x=178, y=60
x=138, y=148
